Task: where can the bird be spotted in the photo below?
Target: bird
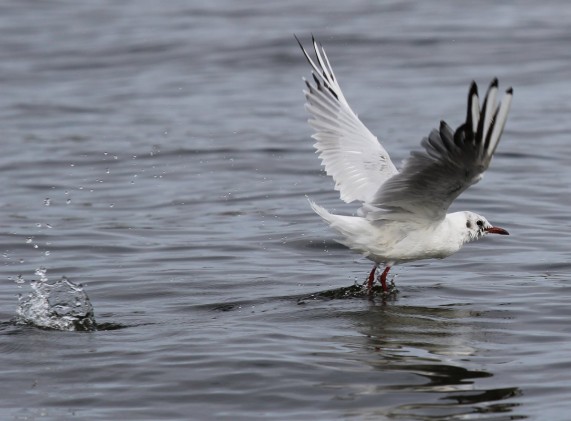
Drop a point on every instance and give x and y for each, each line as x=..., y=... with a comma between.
x=402, y=215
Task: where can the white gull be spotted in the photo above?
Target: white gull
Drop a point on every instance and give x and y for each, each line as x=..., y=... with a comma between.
x=403, y=214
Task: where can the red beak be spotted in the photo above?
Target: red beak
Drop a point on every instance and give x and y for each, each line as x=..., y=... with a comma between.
x=496, y=230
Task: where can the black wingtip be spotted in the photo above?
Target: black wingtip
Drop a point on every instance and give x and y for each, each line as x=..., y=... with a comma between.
x=510, y=91
x=473, y=89
x=299, y=43
x=468, y=127
x=494, y=83
x=303, y=50
x=316, y=80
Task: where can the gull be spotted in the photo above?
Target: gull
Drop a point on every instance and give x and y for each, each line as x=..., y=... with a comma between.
x=403, y=214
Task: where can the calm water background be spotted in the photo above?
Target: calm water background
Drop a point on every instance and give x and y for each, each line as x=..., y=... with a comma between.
x=158, y=153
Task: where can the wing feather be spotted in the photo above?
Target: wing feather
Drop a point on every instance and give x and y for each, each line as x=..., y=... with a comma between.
x=450, y=163
x=351, y=154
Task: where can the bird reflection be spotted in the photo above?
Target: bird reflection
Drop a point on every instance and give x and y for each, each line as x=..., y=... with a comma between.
x=434, y=355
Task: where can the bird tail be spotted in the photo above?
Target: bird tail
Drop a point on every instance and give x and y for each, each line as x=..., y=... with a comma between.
x=353, y=228
x=321, y=211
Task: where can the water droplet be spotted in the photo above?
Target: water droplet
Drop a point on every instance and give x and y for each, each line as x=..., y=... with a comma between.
x=68, y=201
x=107, y=171
x=47, y=252
x=47, y=201
x=39, y=224
x=28, y=240
x=112, y=205
x=48, y=226
x=20, y=279
x=35, y=246
x=21, y=261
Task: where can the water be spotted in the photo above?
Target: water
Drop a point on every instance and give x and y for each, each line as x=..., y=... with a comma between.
x=59, y=305
x=158, y=154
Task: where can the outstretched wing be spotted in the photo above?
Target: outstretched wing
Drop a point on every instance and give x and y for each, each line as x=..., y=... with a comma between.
x=451, y=162
x=351, y=154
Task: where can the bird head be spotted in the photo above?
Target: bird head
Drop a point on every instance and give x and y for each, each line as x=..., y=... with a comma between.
x=477, y=227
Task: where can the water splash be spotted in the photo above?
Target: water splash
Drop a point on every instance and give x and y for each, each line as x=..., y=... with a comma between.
x=61, y=305
x=41, y=272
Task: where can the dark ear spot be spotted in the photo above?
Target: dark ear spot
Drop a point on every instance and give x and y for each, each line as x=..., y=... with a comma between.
x=468, y=224
x=480, y=223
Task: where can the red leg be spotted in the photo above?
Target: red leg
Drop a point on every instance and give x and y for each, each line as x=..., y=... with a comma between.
x=384, y=278
x=371, y=279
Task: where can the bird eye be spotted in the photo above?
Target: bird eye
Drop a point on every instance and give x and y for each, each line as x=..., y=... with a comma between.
x=468, y=224
x=480, y=223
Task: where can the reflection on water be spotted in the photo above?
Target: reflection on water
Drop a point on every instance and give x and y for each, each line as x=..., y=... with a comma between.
x=431, y=343
x=424, y=363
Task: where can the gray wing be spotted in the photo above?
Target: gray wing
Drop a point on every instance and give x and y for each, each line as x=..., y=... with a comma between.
x=451, y=162
x=351, y=154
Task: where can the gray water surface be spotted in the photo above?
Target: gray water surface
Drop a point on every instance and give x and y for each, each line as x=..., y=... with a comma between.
x=158, y=153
